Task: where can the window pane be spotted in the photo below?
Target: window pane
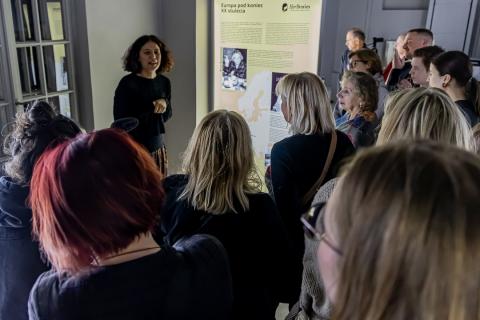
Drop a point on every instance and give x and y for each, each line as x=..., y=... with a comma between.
x=61, y=104
x=28, y=67
x=23, y=20
x=5, y=124
x=405, y=4
x=51, y=19
x=56, y=67
x=2, y=86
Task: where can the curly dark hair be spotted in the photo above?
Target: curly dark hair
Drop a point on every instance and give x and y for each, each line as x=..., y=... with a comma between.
x=130, y=59
x=34, y=130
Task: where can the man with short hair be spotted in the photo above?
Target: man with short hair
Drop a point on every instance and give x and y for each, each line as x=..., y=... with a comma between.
x=354, y=40
x=421, y=64
x=415, y=39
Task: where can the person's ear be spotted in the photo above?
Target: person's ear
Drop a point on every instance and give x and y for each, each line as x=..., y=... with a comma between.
x=446, y=80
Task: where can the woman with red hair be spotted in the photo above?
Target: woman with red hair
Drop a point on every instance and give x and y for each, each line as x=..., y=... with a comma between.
x=95, y=201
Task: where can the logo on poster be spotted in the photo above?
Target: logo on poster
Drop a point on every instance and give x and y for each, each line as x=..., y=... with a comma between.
x=295, y=7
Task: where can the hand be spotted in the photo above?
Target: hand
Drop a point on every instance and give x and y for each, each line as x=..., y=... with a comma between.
x=404, y=84
x=160, y=106
x=397, y=62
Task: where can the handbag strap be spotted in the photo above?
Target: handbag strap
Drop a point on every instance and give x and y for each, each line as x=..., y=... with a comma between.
x=313, y=190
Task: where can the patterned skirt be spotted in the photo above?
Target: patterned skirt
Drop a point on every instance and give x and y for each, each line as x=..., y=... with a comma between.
x=160, y=157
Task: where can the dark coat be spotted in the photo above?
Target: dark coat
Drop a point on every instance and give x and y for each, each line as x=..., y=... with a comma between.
x=20, y=262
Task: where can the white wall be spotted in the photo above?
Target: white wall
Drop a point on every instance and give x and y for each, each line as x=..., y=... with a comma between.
x=179, y=32
x=112, y=25
x=460, y=14
x=367, y=15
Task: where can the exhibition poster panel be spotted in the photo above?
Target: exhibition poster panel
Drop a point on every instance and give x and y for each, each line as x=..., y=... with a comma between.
x=255, y=44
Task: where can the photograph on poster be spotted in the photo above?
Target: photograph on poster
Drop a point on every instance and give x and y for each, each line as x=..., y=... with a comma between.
x=234, y=69
x=276, y=102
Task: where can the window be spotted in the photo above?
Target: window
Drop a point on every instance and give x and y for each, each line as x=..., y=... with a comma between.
x=405, y=4
x=39, y=52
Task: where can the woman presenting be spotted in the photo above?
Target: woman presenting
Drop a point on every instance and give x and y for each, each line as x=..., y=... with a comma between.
x=145, y=93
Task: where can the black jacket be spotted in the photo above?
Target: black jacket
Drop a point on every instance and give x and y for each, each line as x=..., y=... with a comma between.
x=255, y=241
x=20, y=262
x=297, y=163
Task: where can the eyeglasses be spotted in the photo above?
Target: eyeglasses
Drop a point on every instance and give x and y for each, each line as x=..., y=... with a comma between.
x=309, y=220
x=354, y=63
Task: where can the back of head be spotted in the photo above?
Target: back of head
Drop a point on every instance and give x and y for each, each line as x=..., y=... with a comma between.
x=427, y=54
x=92, y=196
x=371, y=57
x=33, y=131
x=219, y=162
x=307, y=103
x=410, y=234
x=424, y=113
x=365, y=87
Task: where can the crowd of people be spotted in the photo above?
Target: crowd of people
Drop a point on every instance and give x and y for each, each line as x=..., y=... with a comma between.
x=371, y=211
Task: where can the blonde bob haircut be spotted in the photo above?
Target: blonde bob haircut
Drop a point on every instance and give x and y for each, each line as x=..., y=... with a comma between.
x=410, y=234
x=220, y=165
x=425, y=113
x=308, y=105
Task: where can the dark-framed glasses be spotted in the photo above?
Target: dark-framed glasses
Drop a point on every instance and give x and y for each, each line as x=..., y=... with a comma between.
x=309, y=221
x=354, y=63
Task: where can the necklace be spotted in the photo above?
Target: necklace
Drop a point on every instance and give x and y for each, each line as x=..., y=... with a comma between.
x=130, y=252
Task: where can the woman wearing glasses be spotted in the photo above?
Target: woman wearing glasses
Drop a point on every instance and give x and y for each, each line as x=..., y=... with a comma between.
x=413, y=254
x=359, y=98
x=366, y=60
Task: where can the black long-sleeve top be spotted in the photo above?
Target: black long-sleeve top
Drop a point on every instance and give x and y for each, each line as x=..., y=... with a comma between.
x=188, y=281
x=134, y=97
x=255, y=241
